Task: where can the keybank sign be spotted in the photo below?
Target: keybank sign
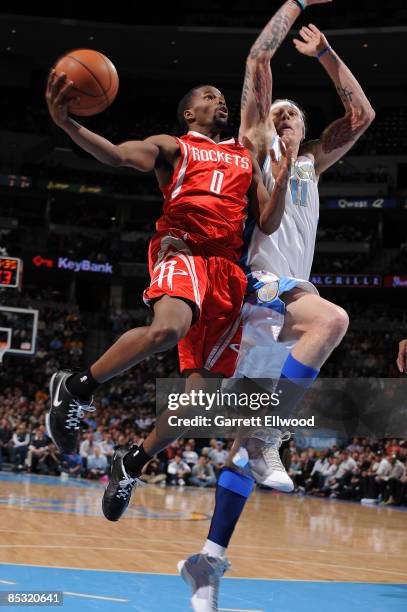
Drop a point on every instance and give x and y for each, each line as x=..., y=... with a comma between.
x=84, y=266
x=64, y=263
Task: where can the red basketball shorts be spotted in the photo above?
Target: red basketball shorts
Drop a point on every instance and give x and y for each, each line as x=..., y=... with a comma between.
x=215, y=285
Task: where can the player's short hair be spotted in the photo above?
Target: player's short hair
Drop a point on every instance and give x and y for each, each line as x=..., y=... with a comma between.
x=288, y=102
x=185, y=103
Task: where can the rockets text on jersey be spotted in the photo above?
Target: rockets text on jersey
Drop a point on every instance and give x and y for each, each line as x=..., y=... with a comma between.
x=206, y=197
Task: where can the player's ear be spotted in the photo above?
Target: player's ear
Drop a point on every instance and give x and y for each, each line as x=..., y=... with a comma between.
x=188, y=115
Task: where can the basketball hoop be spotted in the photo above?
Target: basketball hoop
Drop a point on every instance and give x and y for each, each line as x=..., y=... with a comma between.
x=5, y=341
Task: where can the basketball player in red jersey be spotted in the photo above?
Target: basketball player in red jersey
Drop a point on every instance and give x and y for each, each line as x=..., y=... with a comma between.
x=195, y=280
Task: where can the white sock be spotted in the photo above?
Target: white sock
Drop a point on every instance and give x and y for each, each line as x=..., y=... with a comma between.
x=213, y=550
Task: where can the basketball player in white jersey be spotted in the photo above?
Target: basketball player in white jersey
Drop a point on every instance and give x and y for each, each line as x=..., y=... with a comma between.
x=289, y=331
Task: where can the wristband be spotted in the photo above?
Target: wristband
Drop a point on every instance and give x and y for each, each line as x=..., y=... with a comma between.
x=321, y=53
x=300, y=4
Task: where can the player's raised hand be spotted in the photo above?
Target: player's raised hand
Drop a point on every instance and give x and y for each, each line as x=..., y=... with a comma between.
x=313, y=41
x=56, y=95
x=402, y=357
x=282, y=166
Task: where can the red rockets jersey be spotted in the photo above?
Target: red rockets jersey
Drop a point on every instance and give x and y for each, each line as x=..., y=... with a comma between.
x=206, y=197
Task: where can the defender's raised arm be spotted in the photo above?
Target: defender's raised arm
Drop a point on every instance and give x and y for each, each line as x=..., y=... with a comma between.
x=256, y=127
x=342, y=134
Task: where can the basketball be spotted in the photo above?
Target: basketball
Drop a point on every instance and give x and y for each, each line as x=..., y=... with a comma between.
x=95, y=79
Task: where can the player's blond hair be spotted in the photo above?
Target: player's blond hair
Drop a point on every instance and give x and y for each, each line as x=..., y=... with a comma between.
x=288, y=102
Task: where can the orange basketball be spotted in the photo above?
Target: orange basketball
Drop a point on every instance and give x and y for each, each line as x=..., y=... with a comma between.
x=95, y=80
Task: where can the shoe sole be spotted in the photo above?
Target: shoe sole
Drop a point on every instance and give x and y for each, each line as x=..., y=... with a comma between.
x=186, y=577
x=273, y=484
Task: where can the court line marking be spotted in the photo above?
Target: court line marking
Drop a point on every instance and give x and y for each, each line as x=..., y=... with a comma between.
x=7, y=582
x=329, y=551
x=117, y=571
x=178, y=552
x=99, y=597
x=238, y=610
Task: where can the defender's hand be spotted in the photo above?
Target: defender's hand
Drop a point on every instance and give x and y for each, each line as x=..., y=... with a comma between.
x=57, y=98
x=281, y=167
x=313, y=41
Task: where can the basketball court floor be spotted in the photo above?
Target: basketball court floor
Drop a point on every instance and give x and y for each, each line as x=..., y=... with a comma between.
x=288, y=554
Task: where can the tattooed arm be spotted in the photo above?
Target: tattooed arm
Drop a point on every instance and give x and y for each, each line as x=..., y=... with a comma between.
x=256, y=127
x=341, y=135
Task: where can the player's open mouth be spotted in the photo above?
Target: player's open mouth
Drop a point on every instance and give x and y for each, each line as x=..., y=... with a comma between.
x=222, y=110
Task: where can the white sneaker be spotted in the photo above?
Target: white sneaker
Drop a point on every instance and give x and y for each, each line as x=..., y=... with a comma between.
x=267, y=468
x=203, y=573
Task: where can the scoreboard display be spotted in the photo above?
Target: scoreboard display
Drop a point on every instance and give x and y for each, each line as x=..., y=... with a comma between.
x=11, y=269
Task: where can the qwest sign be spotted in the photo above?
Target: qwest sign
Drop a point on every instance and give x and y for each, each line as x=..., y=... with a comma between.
x=64, y=263
x=365, y=203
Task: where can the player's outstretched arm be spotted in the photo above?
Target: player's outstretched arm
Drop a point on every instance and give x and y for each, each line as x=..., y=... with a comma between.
x=402, y=357
x=139, y=154
x=269, y=209
x=256, y=128
x=342, y=134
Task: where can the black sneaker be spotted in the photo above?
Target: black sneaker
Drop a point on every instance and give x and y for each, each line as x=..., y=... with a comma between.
x=118, y=492
x=66, y=410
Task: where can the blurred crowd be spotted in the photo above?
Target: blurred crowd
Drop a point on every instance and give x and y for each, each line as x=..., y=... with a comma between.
x=125, y=412
x=365, y=470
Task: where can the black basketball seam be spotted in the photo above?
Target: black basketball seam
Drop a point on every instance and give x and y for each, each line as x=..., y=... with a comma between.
x=94, y=76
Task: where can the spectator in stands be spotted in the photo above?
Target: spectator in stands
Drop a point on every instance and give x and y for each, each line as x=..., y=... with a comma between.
x=328, y=477
x=295, y=471
x=96, y=464
x=343, y=475
x=178, y=471
x=392, y=490
x=203, y=474
x=49, y=462
x=99, y=433
x=398, y=489
x=354, y=446
x=312, y=482
x=5, y=437
x=392, y=447
x=218, y=455
x=37, y=448
x=19, y=447
x=107, y=446
x=189, y=455
x=153, y=473
x=87, y=448
x=145, y=420
x=72, y=465
x=372, y=482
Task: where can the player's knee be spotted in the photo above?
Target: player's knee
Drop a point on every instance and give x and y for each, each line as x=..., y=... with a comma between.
x=333, y=323
x=165, y=336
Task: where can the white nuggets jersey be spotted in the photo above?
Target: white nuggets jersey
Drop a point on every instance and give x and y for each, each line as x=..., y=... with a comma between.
x=289, y=251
